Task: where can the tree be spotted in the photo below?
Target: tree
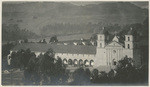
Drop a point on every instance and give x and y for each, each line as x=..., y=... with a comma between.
x=13, y=32
x=16, y=59
x=93, y=37
x=102, y=77
x=13, y=59
x=30, y=73
x=44, y=41
x=143, y=74
x=27, y=54
x=81, y=77
x=61, y=75
x=46, y=69
x=53, y=39
x=25, y=40
x=20, y=59
x=94, y=76
x=40, y=69
x=126, y=72
x=99, y=77
x=6, y=49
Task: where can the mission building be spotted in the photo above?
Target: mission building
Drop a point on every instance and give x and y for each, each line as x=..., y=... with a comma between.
x=104, y=54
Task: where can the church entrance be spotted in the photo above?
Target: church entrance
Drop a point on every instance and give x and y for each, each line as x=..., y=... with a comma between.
x=114, y=54
x=114, y=62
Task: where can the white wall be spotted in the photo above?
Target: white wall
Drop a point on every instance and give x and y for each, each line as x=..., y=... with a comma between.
x=75, y=56
x=128, y=52
x=100, y=59
x=110, y=55
x=38, y=53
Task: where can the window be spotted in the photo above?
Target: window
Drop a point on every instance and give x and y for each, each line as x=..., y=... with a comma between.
x=86, y=62
x=114, y=62
x=100, y=37
x=114, y=51
x=128, y=46
x=128, y=38
x=100, y=44
x=65, y=61
x=69, y=62
x=81, y=62
x=91, y=62
x=75, y=62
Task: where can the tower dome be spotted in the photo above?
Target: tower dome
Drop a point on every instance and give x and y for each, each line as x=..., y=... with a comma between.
x=102, y=31
x=130, y=32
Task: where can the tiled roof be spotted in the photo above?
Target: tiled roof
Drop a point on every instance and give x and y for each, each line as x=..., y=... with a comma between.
x=73, y=49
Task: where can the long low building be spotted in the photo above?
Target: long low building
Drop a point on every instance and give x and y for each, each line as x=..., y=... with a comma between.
x=104, y=54
x=68, y=53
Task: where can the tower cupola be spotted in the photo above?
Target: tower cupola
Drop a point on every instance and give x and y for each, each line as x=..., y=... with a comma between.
x=101, y=38
x=129, y=39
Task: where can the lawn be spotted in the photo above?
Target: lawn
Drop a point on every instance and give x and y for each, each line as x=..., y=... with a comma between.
x=12, y=78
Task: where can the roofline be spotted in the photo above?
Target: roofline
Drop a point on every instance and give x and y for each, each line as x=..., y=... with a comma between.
x=100, y=34
x=59, y=52
x=116, y=42
x=128, y=34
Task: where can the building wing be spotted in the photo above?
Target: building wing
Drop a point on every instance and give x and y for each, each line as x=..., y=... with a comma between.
x=73, y=49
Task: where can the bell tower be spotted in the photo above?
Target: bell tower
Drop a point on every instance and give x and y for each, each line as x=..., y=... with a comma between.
x=129, y=40
x=100, y=50
x=130, y=50
x=101, y=39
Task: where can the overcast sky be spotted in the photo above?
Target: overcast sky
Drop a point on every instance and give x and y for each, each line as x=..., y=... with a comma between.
x=140, y=4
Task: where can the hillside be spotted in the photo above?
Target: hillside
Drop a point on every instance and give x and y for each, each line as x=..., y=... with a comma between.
x=12, y=32
x=36, y=16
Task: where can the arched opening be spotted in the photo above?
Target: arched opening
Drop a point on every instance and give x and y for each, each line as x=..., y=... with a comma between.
x=91, y=62
x=128, y=38
x=128, y=46
x=75, y=62
x=65, y=61
x=100, y=37
x=100, y=44
x=86, y=63
x=81, y=62
x=114, y=62
x=69, y=62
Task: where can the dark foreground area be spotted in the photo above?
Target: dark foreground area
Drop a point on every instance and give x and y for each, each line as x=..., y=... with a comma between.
x=27, y=69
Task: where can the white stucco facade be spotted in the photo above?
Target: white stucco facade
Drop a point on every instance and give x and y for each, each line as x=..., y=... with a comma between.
x=106, y=53
x=114, y=51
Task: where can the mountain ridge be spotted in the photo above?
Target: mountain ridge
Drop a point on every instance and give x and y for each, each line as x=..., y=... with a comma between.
x=36, y=15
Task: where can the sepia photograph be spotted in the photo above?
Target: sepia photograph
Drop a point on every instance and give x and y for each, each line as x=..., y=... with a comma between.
x=75, y=43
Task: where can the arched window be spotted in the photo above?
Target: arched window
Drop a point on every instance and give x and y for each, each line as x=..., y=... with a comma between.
x=91, y=62
x=75, y=61
x=86, y=63
x=100, y=37
x=65, y=61
x=128, y=38
x=128, y=46
x=69, y=62
x=114, y=62
x=100, y=44
x=80, y=62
